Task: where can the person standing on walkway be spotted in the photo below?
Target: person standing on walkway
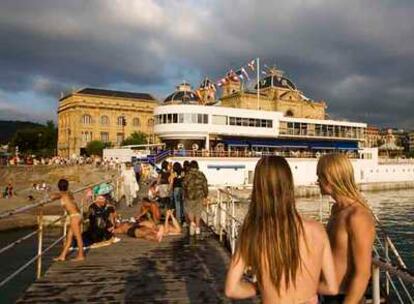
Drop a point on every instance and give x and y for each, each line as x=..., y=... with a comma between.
x=164, y=186
x=289, y=255
x=130, y=185
x=69, y=205
x=137, y=171
x=195, y=190
x=178, y=191
x=351, y=228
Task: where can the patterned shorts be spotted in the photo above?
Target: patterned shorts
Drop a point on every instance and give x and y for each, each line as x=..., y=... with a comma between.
x=194, y=207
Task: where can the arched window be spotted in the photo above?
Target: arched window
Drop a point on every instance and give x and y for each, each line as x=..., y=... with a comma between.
x=136, y=122
x=86, y=119
x=104, y=120
x=150, y=123
x=289, y=113
x=120, y=121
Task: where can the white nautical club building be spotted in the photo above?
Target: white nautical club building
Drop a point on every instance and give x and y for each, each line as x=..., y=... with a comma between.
x=227, y=142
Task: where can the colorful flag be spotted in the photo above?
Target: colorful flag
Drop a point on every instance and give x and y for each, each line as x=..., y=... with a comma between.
x=251, y=64
x=239, y=74
x=245, y=73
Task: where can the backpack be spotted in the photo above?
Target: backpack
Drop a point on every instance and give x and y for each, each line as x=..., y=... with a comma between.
x=195, y=184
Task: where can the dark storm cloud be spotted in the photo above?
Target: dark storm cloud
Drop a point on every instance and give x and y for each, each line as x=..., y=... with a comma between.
x=357, y=55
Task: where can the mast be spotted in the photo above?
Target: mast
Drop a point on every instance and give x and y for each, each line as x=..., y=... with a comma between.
x=258, y=79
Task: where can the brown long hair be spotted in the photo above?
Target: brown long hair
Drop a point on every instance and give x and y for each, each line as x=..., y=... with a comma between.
x=270, y=234
x=337, y=170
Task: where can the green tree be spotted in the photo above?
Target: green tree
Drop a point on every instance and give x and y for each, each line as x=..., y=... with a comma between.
x=136, y=138
x=41, y=140
x=95, y=147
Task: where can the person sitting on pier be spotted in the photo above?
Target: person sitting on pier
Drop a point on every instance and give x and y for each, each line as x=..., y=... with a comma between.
x=148, y=210
x=351, y=228
x=101, y=221
x=69, y=205
x=149, y=230
x=289, y=255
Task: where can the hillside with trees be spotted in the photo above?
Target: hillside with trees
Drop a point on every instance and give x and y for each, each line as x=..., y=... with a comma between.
x=9, y=128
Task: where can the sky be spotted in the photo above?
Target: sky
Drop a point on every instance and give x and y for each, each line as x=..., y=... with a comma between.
x=358, y=56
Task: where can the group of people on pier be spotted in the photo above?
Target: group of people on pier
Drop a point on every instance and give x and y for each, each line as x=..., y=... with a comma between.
x=292, y=259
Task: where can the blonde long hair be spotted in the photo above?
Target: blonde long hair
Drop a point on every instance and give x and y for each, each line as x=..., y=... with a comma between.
x=270, y=234
x=337, y=170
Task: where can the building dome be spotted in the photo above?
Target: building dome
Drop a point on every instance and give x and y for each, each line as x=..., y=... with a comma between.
x=183, y=94
x=275, y=78
x=276, y=81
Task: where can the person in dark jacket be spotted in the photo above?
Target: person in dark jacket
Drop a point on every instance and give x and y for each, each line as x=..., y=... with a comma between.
x=195, y=190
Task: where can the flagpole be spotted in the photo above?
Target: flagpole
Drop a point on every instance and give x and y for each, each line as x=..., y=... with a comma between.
x=258, y=76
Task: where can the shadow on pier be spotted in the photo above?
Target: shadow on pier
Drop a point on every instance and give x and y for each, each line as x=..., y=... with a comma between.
x=180, y=269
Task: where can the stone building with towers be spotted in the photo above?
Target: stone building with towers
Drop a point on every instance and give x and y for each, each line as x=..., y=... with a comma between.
x=276, y=93
x=108, y=116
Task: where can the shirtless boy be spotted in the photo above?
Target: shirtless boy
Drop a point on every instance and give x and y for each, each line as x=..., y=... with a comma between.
x=69, y=205
x=351, y=228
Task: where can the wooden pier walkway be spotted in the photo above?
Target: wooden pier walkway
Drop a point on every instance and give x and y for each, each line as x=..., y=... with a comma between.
x=180, y=269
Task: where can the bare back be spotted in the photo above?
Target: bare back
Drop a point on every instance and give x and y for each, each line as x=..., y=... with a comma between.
x=347, y=228
x=308, y=276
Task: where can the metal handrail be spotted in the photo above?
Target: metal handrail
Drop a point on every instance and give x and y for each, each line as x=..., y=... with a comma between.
x=40, y=230
x=28, y=236
x=44, y=202
x=378, y=264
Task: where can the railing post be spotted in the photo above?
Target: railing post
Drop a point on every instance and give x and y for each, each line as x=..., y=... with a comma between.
x=233, y=227
x=387, y=258
x=320, y=208
x=376, y=295
x=219, y=217
x=39, y=243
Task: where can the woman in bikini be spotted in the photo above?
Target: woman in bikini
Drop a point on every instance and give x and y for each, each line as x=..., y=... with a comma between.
x=69, y=205
x=289, y=255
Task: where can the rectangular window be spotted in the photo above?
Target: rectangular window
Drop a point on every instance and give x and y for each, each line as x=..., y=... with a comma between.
x=303, y=129
x=119, y=138
x=105, y=137
x=330, y=131
x=187, y=118
x=337, y=131
x=175, y=118
x=232, y=121
x=269, y=123
x=205, y=118
x=200, y=118
x=181, y=118
x=219, y=120
x=169, y=118
x=164, y=118
x=318, y=130
x=297, y=128
x=238, y=121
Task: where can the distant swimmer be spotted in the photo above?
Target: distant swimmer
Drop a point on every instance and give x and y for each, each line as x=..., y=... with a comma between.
x=351, y=228
x=69, y=205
